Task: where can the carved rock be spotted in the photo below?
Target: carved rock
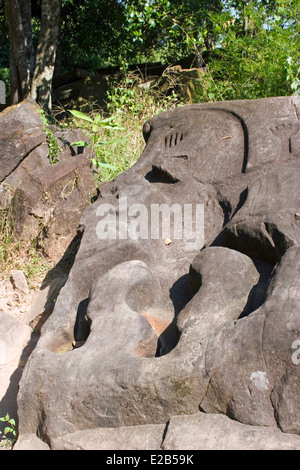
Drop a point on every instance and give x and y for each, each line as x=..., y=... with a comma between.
x=168, y=328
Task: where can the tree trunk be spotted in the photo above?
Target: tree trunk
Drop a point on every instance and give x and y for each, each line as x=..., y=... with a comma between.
x=18, y=14
x=41, y=87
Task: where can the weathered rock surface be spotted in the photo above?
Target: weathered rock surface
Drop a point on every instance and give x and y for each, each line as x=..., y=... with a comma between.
x=214, y=431
x=200, y=431
x=46, y=200
x=14, y=335
x=30, y=442
x=147, y=437
x=19, y=282
x=168, y=328
x=21, y=132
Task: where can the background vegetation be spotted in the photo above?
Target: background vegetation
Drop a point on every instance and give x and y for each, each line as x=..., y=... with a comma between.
x=250, y=48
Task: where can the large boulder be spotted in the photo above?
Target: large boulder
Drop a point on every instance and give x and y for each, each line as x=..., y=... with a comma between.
x=22, y=130
x=45, y=199
x=198, y=431
x=203, y=315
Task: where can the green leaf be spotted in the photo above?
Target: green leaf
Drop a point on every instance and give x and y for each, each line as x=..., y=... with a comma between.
x=107, y=165
x=109, y=142
x=7, y=430
x=98, y=118
x=112, y=126
x=80, y=115
x=6, y=418
x=81, y=143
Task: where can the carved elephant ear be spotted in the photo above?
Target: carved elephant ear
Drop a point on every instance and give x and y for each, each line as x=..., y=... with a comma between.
x=147, y=130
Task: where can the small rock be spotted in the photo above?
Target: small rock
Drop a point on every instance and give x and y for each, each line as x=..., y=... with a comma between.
x=30, y=442
x=202, y=431
x=146, y=437
x=19, y=282
x=4, y=304
x=13, y=337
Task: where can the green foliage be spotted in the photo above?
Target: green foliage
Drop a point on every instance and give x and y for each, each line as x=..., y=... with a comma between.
x=4, y=45
x=9, y=430
x=257, y=53
x=116, y=139
x=97, y=124
x=175, y=29
x=250, y=48
x=293, y=75
x=4, y=51
x=92, y=33
x=95, y=128
x=54, y=149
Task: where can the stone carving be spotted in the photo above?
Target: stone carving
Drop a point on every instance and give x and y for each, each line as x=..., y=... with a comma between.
x=173, y=327
x=285, y=131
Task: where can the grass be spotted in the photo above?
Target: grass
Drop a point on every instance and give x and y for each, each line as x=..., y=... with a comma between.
x=20, y=255
x=119, y=143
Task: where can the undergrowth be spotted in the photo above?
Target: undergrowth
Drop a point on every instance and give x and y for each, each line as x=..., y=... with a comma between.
x=23, y=255
x=116, y=132
x=10, y=432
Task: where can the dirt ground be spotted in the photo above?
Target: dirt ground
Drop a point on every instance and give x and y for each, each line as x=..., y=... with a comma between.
x=17, y=305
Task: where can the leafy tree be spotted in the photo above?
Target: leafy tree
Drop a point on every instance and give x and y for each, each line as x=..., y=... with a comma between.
x=258, y=51
x=95, y=32
x=4, y=52
x=92, y=32
x=31, y=71
x=250, y=48
x=46, y=53
x=4, y=49
x=175, y=29
x=18, y=15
